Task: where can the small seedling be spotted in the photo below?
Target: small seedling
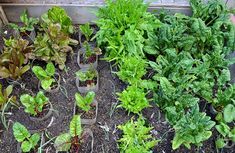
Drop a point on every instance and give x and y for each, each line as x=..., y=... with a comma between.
x=87, y=76
x=85, y=102
x=86, y=30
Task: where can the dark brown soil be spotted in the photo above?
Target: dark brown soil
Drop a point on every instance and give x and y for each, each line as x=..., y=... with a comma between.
x=105, y=130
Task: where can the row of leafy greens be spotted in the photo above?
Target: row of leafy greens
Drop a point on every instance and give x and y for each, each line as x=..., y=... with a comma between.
x=191, y=66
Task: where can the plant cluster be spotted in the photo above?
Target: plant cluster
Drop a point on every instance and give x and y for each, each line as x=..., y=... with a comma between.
x=87, y=76
x=136, y=137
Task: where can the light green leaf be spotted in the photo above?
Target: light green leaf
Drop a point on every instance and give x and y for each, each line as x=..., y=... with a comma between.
x=75, y=126
x=63, y=142
x=229, y=113
x=50, y=69
x=20, y=132
x=26, y=146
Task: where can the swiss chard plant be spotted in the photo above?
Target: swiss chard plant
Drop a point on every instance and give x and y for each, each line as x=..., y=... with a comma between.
x=14, y=58
x=133, y=99
x=46, y=76
x=193, y=128
x=57, y=15
x=53, y=45
x=34, y=105
x=87, y=31
x=131, y=69
x=136, y=137
x=84, y=102
x=72, y=140
x=5, y=96
x=29, y=142
x=29, y=23
x=88, y=77
x=126, y=28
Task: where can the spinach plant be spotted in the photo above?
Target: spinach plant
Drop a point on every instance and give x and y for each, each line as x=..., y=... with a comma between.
x=34, y=105
x=85, y=102
x=14, y=59
x=136, y=137
x=193, y=128
x=45, y=76
x=126, y=28
x=86, y=30
x=28, y=142
x=72, y=140
x=132, y=69
x=133, y=99
x=28, y=22
x=57, y=15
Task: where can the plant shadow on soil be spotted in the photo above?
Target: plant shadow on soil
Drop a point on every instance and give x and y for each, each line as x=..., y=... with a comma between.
x=105, y=130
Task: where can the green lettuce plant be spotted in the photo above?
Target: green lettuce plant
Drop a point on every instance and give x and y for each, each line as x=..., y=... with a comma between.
x=57, y=15
x=14, y=58
x=28, y=22
x=46, y=76
x=72, y=140
x=28, y=142
x=136, y=137
x=85, y=102
x=133, y=99
x=34, y=105
x=193, y=128
x=131, y=69
x=53, y=45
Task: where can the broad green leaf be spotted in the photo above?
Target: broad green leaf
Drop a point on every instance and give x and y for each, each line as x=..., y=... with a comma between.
x=50, y=69
x=20, y=132
x=63, y=142
x=220, y=143
x=9, y=90
x=34, y=139
x=46, y=84
x=229, y=113
x=177, y=141
x=26, y=146
x=39, y=72
x=75, y=126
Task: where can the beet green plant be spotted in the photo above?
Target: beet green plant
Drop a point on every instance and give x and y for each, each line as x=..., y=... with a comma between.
x=57, y=15
x=72, y=140
x=14, y=59
x=132, y=69
x=193, y=128
x=85, y=102
x=28, y=22
x=28, y=142
x=86, y=30
x=46, y=76
x=136, y=137
x=133, y=99
x=34, y=105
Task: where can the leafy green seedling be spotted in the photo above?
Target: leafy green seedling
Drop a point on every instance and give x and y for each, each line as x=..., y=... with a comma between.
x=85, y=102
x=87, y=76
x=34, y=105
x=5, y=96
x=45, y=76
x=22, y=135
x=71, y=141
x=87, y=31
x=28, y=22
x=136, y=137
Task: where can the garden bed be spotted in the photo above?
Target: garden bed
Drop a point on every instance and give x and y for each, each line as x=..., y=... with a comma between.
x=156, y=94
